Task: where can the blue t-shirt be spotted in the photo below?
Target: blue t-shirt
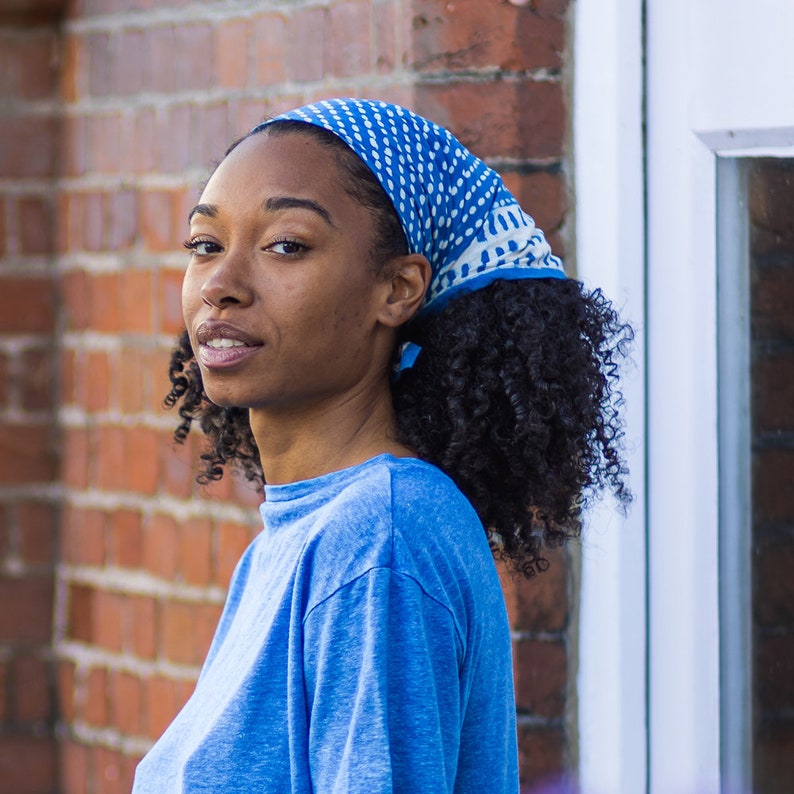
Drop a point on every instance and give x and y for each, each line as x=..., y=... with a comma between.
x=364, y=647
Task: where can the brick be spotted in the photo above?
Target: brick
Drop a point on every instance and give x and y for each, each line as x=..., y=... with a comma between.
x=72, y=74
x=125, y=702
x=141, y=460
x=33, y=60
x=173, y=139
x=773, y=756
x=107, y=765
x=27, y=454
x=161, y=76
x=464, y=36
x=27, y=304
x=76, y=303
x=32, y=690
x=4, y=379
x=157, y=219
x=37, y=381
x=80, y=613
x=105, y=148
x=542, y=195
x=108, y=620
x=195, y=551
x=28, y=764
x=136, y=301
x=519, y=119
x=540, y=677
x=540, y=603
x=37, y=525
x=175, y=465
x=104, y=302
x=30, y=620
x=74, y=767
x=121, y=219
x=65, y=690
x=232, y=541
x=93, y=226
x=772, y=296
x=96, y=380
x=29, y=145
x=194, y=50
x=231, y=53
x=75, y=457
x=541, y=756
x=770, y=196
x=385, y=21
x=133, y=54
x=3, y=226
x=306, y=55
x=348, y=48
x=83, y=540
x=126, y=538
x=773, y=496
x=127, y=378
x=141, y=154
x=170, y=301
x=178, y=640
x=774, y=676
x=211, y=134
x=109, y=458
x=773, y=596
x=269, y=41
x=160, y=546
x=100, y=64
x=36, y=225
x=207, y=619
x=160, y=704
x=94, y=697
x=141, y=626
x=5, y=693
x=773, y=393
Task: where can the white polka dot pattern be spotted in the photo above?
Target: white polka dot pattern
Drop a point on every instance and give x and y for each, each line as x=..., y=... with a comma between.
x=454, y=209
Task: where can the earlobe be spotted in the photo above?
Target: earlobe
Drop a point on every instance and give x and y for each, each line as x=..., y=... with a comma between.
x=406, y=289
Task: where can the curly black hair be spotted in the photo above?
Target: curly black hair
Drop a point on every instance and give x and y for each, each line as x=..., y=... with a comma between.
x=514, y=396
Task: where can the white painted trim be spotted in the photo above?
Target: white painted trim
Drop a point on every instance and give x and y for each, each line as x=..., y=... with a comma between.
x=610, y=240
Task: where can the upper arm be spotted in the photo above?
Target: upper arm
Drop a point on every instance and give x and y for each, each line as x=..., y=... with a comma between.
x=381, y=664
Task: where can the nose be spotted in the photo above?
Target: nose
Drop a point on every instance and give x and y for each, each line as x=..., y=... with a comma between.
x=228, y=284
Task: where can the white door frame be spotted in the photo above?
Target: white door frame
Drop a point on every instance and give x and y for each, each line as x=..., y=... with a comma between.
x=716, y=77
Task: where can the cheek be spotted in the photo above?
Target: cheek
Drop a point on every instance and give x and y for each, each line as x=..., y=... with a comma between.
x=191, y=297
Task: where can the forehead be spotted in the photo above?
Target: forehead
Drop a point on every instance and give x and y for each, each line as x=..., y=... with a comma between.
x=262, y=164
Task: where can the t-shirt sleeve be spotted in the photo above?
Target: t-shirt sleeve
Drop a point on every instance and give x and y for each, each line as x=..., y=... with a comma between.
x=382, y=661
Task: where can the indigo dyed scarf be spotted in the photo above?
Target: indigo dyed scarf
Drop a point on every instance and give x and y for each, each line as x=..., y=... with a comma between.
x=453, y=208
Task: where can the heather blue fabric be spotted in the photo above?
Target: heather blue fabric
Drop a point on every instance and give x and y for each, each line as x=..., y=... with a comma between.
x=364, y=648
x=453, y=208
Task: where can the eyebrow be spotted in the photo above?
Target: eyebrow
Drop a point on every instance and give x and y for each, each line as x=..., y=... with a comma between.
x=276, y=203
x=273, y=204
x=209, y=210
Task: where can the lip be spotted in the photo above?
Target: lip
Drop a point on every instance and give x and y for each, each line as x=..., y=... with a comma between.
x=219, y=358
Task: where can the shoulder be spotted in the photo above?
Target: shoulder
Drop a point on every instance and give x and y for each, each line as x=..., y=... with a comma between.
x=401, y=514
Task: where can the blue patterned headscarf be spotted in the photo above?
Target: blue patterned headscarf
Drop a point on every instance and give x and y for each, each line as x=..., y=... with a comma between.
x=453, y=208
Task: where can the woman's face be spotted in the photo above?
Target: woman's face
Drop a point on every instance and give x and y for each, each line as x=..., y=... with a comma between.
x=280, y=298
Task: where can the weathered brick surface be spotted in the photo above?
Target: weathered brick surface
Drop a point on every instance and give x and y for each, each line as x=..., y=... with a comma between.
x=128, y=104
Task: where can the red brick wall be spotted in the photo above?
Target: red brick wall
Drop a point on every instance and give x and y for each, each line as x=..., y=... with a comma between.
x=28, y=434
x=151, y=94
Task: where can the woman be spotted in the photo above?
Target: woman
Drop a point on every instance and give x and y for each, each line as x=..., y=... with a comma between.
x=378, y=332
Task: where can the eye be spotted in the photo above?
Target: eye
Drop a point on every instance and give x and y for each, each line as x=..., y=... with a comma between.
x=201, y=247
x=287, y=247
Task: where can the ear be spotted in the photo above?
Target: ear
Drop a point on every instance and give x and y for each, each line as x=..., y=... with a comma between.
x=409, y=278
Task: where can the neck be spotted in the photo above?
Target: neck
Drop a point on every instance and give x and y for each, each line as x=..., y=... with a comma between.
x=300, y=444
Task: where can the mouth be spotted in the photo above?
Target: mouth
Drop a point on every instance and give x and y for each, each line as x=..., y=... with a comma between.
x=221, y=345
